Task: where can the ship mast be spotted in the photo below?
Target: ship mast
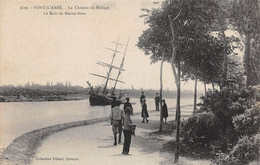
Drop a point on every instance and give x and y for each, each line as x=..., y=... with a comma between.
x=121, y=67
x=111, y=66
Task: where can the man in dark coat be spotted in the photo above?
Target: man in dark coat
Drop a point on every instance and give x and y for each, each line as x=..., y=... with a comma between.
x=157, y=99
x=164, y=110
x=142, y=98
x=127, y=104
x=145, y=114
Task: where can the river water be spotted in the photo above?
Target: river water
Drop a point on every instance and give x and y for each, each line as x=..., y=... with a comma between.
x=17, y=118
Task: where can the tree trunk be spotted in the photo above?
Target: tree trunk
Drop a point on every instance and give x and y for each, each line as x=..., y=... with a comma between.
x=161, y=88
x=173, y=60
x=213, y=86
x=247, y=29
x=177, y=82
x=178, y=110
x=205, y=88
x=224, y=74
x=195, y=93
x=247, y=59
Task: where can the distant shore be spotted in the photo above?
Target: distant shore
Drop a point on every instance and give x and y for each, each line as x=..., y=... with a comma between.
x=22, y=98
x=67, y=98
x=38, y=93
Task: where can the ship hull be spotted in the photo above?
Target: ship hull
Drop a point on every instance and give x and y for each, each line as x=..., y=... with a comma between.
x=96, y=99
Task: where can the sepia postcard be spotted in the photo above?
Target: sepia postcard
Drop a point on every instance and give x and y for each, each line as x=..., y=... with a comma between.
x=64, y=66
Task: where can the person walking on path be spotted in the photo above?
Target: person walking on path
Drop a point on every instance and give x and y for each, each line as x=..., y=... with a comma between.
x=164, y=110
x=142, y=97
x=127, y=104
x=144, y=113
x=127, y=130
x=116, y=116
x=156, y=99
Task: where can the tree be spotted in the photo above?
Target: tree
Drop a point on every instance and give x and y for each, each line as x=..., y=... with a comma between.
x=204, y=62
x=245, y=19
x=175, y=28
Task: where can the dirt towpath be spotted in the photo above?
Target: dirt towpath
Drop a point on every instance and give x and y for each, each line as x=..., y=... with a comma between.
x=91, y=142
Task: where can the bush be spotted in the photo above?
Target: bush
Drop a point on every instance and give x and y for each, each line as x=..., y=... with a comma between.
x=224, y=159
x=245, y=151
x=228, y=99
x=247, y=123
x=201, y=128
x=227, y=120
x=228, y=103
x=226, y=108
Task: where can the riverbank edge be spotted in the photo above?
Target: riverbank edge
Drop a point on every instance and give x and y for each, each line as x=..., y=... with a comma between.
x=23, y=148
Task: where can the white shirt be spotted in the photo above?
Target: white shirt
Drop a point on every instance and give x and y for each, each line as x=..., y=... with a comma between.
x=116, y=113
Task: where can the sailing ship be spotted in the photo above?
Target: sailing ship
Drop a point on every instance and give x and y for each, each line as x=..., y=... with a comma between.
x=103, y=97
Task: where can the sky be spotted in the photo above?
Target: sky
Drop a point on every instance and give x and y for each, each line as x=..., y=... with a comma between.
x=65, y=48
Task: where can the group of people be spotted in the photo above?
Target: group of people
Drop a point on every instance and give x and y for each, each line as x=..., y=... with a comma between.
x=121, y=119
x=144, y=112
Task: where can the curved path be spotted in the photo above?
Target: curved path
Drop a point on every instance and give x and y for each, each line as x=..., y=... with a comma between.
x=23, y=148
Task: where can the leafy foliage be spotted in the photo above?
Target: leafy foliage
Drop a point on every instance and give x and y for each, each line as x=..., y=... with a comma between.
x=201, y=128
x=245, y=151
x=233, y=113
x=247, y=123
x=198, y=48
x=204, y=52
x=245, y=18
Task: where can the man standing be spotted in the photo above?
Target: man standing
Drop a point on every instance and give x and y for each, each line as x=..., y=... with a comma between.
x=144, y=113
x=127, y=104
x=157, y=99
x=164, y=111
x=116, y=117
x=142, y=98
x=127, y=130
